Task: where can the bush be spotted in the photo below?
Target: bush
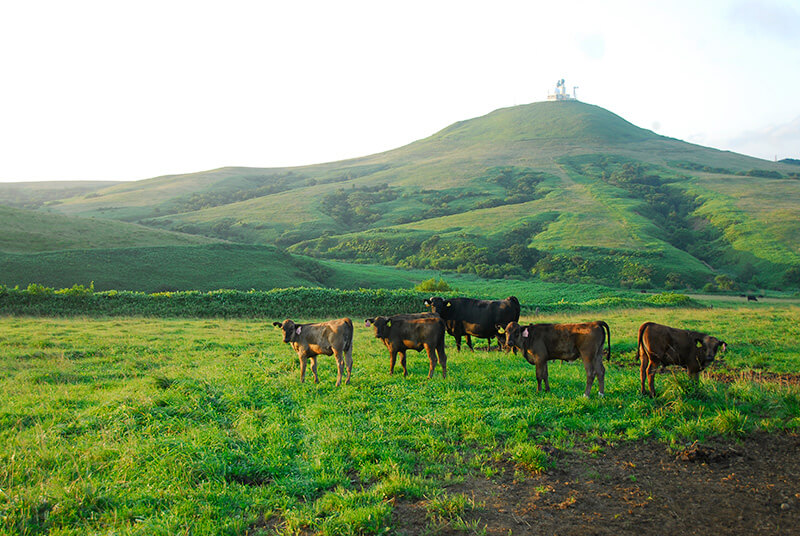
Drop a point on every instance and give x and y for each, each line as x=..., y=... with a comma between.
x=432, y=285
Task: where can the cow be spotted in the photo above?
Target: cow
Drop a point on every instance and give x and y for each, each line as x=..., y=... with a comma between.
x=411, y=332
x=661, y=345
x=750, y=297
x=325, y=338
x=540, y=343
x=476, y=318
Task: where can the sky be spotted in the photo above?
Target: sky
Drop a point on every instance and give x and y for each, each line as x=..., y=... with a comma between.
x=111, y=90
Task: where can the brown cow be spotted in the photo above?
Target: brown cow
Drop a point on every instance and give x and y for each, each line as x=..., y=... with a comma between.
x=310, y=340
x=541, y=343
x=662, y=345
x=411, y=332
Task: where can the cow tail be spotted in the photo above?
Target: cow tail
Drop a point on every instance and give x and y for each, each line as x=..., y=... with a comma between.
x=640, y=349
x=348, y=339
x=517, y=307
x=608, y=337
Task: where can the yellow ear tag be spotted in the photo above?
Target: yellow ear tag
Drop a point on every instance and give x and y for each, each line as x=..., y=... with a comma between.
x=389, y=323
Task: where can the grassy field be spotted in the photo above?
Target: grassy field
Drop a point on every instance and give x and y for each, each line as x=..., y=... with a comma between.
x=173, y=426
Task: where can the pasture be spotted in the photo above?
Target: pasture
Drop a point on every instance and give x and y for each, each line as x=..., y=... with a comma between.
x=200, y=426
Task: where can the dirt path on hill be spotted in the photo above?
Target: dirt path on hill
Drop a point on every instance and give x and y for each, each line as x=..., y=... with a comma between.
x=716, y=488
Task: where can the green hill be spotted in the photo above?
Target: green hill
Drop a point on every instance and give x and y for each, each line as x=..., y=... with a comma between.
x=28, y=231
x=164, y=268
x=562, y=191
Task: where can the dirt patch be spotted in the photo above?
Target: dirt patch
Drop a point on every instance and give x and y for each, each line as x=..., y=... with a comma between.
x=748, y=487
x=723, y=373
x=731, y=376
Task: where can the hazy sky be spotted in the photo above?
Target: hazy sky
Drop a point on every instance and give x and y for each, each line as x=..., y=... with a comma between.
x=112, y=90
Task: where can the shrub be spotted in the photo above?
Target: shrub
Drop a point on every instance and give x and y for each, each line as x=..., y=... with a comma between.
x=432, y=285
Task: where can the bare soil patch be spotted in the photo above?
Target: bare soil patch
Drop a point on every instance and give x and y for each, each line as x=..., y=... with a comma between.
x=746, y=487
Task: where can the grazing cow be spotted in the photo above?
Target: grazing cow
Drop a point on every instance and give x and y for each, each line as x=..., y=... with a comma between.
x=411, y=332
x=477, y=318
x=541, y=343
x=662, y=345
x=310, y=340
x=750, y=297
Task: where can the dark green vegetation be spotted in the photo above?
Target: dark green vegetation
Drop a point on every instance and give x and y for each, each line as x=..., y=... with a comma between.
x=171, y=426
x=554, y=191
x=81, y=301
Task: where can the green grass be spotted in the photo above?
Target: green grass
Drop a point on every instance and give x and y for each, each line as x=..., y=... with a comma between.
x=165, y=426
x=155, y=269
x=27, y=231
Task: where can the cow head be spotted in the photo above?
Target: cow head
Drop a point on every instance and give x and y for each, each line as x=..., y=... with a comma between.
x=515, y=334
x=381, y=325
x=439, y=305
x=706, y=349
x=289, y=328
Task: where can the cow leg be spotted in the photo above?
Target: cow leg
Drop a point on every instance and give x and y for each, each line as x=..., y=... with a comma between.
x=403, y=363
x=469, y=342
x=643, y=372
x=651, y=378
x=392, y=359
x=348, y=356
x=442, y=359
x=457, y=337
x=303, y=361
x=314, y=368
x=541, y=375
x=600, y=371
x=431, y=360
x=339, y=366
x=590, y=373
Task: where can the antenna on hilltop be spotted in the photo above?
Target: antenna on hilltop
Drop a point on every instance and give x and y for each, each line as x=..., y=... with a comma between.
x=561, y=92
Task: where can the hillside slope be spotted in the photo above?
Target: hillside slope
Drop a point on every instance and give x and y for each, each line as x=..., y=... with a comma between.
x=561, y=190
x=29, y=231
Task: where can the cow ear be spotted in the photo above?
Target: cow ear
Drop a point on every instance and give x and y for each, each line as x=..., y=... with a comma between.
x=277, y=324
x=427, y=302
x=299, y=328
x=525, y=333
x=368, y=322
x=724, y=346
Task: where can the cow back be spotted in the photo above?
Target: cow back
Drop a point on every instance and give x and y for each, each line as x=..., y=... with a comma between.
x=324, y=337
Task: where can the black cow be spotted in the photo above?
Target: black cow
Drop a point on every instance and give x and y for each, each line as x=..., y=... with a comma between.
x=477, y=318
x=411, y=332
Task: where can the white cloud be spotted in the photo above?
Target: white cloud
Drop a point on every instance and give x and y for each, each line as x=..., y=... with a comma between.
x=772, y=142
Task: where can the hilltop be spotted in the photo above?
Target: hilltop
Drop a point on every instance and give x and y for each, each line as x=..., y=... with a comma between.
x=563, y=191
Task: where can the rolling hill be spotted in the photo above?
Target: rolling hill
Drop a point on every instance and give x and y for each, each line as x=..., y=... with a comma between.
x=562, y=191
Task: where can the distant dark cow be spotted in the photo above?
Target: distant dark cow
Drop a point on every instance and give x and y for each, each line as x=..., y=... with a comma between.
x=662, y=345
x=310, y=340
x=411, y=332
x=477, y=318
x=750, y=297
x=541, y=343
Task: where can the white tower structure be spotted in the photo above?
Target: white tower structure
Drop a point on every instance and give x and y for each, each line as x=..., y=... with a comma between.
x=561, y=92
